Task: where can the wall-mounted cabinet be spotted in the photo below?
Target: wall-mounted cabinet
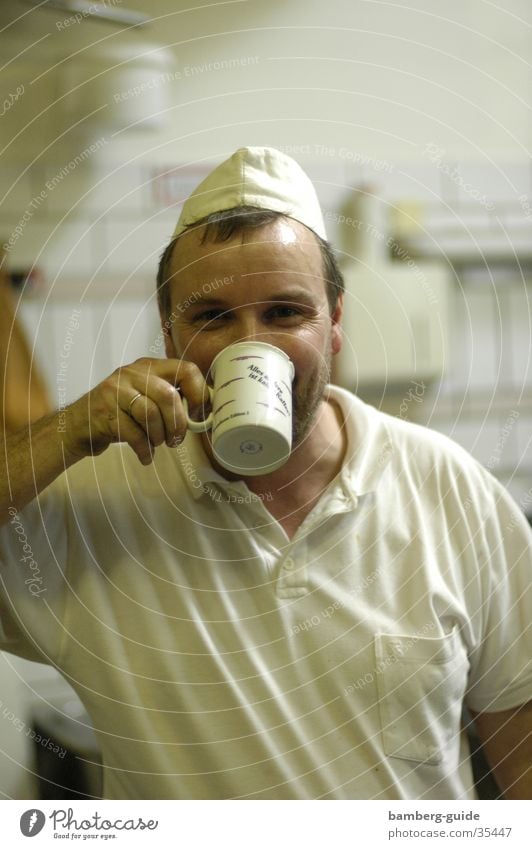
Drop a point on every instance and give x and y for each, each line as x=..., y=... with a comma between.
x=395, y=324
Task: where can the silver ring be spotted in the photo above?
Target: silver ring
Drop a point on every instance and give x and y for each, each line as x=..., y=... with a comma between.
x=138, y=395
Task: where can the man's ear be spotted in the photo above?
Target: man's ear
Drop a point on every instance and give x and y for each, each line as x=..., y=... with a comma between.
x=336, y=325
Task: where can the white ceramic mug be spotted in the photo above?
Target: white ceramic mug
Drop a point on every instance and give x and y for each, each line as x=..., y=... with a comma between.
x=251, y=416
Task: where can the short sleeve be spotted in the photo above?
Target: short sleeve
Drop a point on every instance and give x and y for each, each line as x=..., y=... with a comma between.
x=501, y=667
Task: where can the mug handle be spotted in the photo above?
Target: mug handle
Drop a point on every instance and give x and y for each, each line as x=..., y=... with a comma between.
x=198, y=427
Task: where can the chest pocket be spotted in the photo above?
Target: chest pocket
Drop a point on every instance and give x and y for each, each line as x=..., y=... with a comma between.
x=421, y=683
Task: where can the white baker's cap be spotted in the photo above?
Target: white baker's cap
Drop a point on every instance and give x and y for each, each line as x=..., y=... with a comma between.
x=256, y=176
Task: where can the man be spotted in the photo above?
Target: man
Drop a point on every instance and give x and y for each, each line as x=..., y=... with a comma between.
x=311, y=633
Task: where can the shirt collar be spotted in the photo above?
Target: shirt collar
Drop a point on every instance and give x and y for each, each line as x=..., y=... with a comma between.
x=369, y=442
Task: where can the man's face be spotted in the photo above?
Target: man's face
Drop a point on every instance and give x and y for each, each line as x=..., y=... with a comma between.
x=264, y=285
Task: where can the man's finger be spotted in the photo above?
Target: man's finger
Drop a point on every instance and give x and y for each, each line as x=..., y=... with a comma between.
x=143, y=410
x=127, y=430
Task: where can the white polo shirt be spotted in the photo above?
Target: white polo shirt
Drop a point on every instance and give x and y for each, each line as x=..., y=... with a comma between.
x=219, y=659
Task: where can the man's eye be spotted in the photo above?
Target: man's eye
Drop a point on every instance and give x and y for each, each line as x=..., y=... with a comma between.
x=209, y=315
x=284, y=312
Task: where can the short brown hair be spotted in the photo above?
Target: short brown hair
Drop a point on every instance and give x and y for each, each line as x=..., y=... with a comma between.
x=221, y=226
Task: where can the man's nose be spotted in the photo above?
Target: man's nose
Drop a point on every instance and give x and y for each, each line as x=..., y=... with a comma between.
x=248, y=328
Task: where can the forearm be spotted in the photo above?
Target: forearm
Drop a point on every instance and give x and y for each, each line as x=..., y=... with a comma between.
x=513, y=774
x=507, y=741
x=30, y=460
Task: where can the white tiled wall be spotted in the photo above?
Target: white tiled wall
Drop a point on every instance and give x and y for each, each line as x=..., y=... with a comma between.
x=485, y=402
x=109, y=335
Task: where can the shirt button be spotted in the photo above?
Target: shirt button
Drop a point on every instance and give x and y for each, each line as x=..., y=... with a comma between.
x=289, y=564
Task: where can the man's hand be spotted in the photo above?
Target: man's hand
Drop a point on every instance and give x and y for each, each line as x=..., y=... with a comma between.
x=33, y=457
x=137, y=404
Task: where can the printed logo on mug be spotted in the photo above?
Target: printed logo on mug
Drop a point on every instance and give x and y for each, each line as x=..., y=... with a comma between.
x=251, y=416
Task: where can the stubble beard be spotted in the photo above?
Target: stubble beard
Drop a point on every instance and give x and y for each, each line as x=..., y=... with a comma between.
x=307, y=401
